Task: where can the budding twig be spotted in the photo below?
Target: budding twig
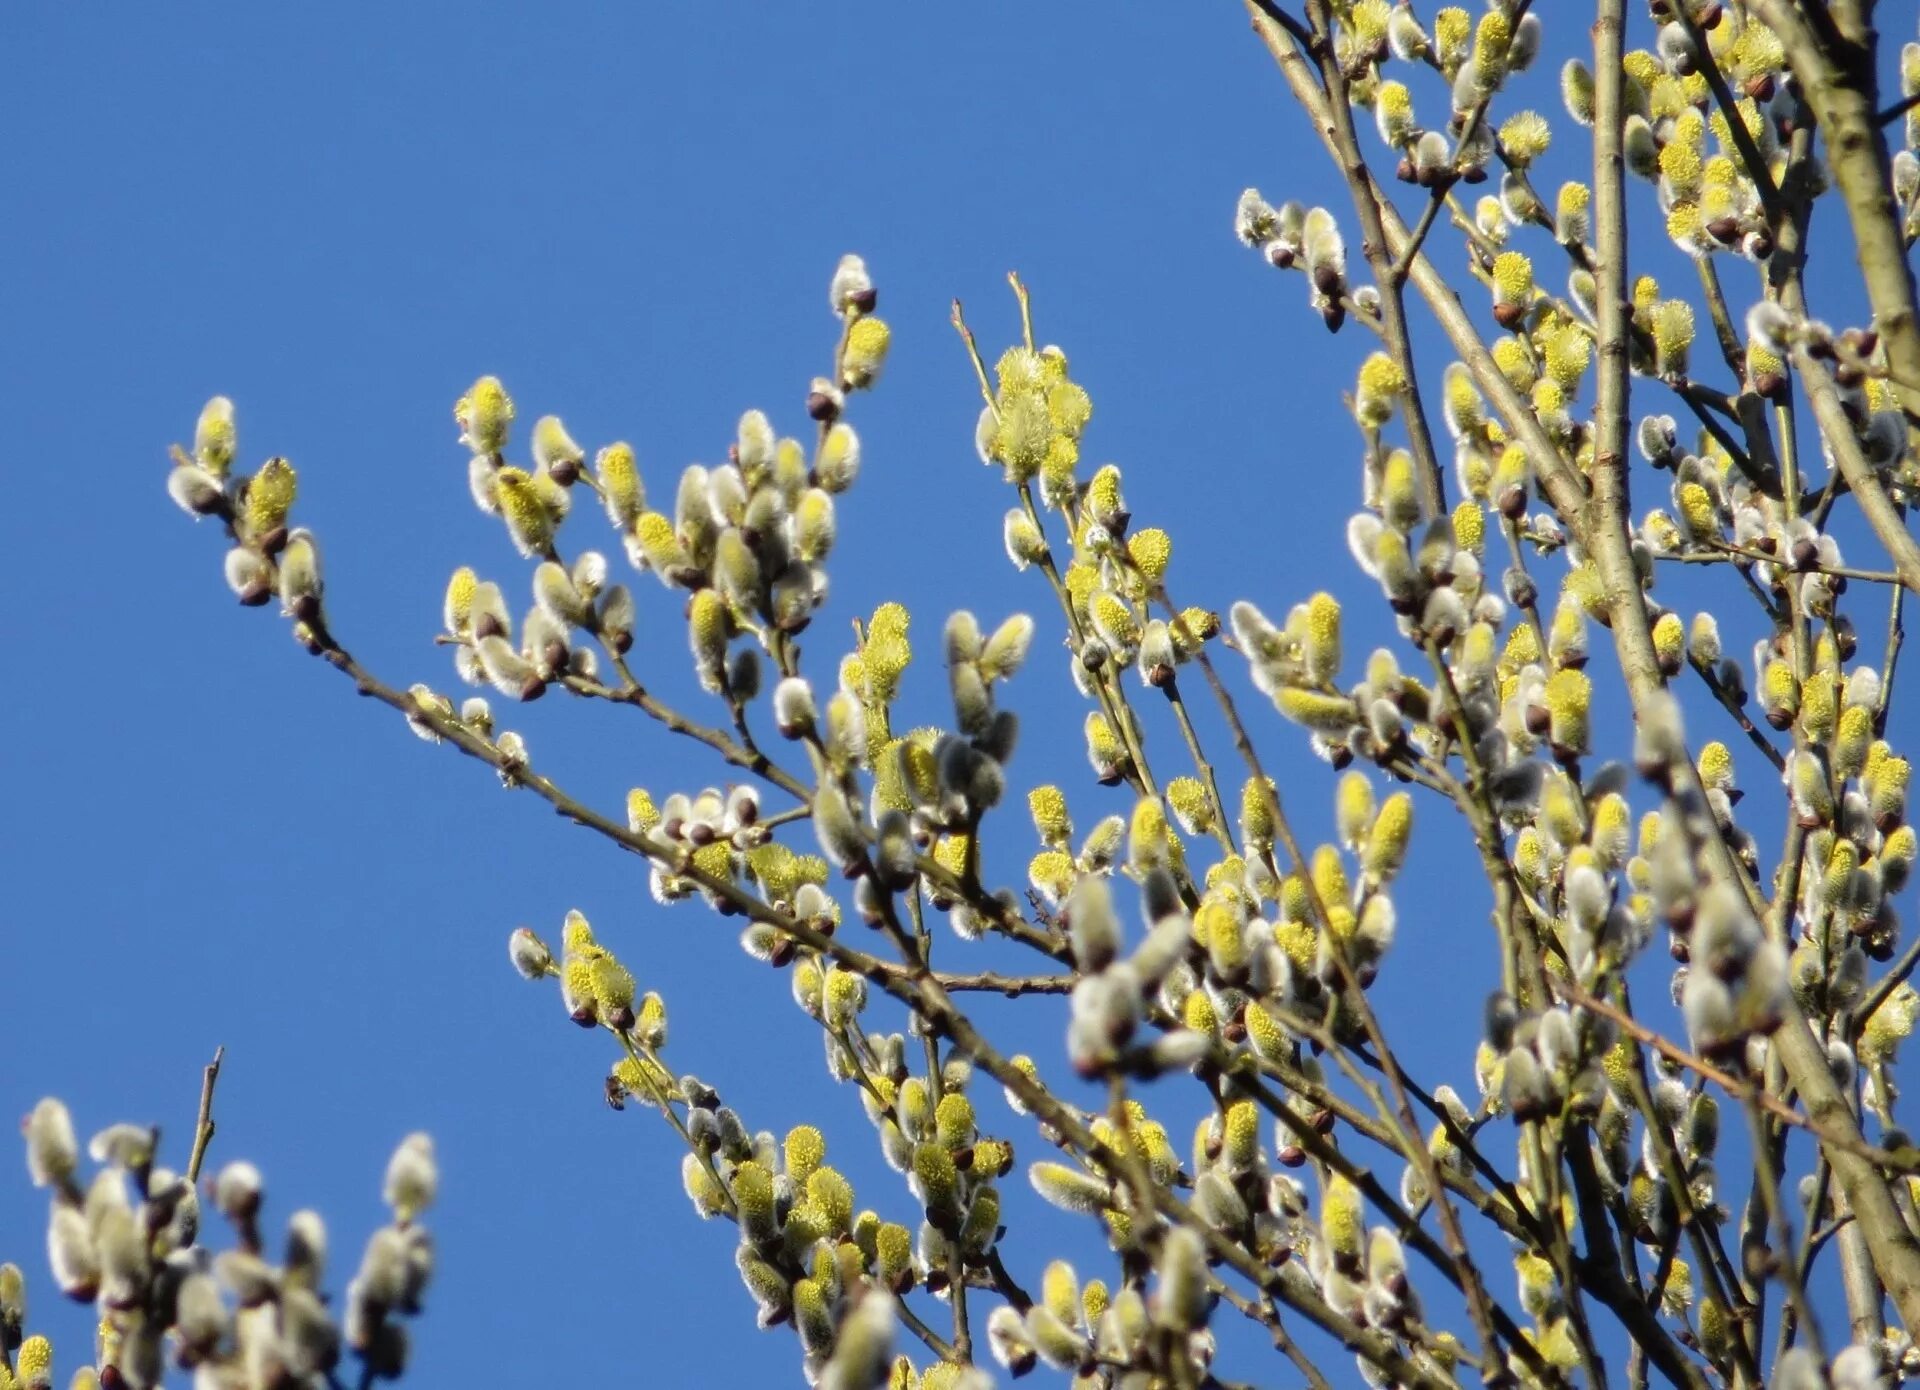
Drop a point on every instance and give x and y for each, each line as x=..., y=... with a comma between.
x=203, y=1128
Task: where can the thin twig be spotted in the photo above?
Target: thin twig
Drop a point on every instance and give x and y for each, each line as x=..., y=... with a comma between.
x=203, y=1127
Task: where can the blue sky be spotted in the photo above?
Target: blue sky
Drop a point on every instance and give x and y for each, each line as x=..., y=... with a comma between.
x=630, y=214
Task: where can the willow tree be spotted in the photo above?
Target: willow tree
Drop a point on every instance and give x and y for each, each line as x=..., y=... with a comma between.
x=1661, y=960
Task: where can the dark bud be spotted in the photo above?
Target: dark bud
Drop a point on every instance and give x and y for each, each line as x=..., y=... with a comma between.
x=1333, y=313
x=1509, y=316
x=255, y=594
x=1844, y=636
x=1473, y=174
x=1501, y=1016
x=822, y=407
x=1539, y=720
x=1725, y=230
x=866, y=301
x=616, y=1095
x=1862, y=340
x=307, y=608
x=533, y=689
x=565, y=472
x=1292, y=1156
x=1404, y=171
x=621, y=642
x=273, y=542
x=1326, y=279
x=1280, y=255
x=1771, y=385
x=1760, y=87
x=1805, y=553
x=782, y=953
x=487, y=625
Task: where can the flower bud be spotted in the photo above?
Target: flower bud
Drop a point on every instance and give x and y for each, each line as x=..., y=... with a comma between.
x=53, y=1151
x=300, y=576
x=71, y=1254
x=867, y=342
x=1184, y=1295
x=793, y=709
x=554, y=450
x=851, y=290
x=484, y=415
x=1069, y=1188
x=195, y=490
x=1009, y=1340
x=248, y=575
x=1386, y=845
x=1026, y=544
x=530, y=523
x=413, y=1177
x=1092, y=925
x=1006, y=650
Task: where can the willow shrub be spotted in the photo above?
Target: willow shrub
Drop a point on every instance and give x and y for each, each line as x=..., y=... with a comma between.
x=1333, y=1183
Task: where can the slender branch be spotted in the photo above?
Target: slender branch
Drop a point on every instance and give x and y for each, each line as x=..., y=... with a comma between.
x=1905, y=1160
x=203, y=1126
x=1897, y=110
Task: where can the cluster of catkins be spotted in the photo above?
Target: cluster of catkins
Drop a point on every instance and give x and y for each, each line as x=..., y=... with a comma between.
x=806, y=1255
x=748, y=538
x=268, y=558
x=1076, y=1328
x=930, y=788
x=1032, y=427
x=128, y=1241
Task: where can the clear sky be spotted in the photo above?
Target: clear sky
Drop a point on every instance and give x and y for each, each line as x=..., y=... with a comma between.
x=339, y=216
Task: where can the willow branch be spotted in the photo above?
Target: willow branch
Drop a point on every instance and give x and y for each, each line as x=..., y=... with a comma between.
x=203, y=1127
